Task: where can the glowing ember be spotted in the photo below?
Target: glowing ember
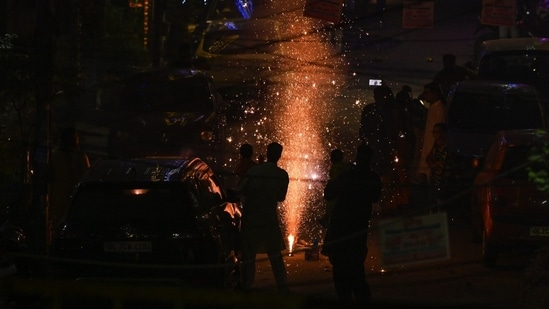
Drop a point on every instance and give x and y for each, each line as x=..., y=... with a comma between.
x=291, y=243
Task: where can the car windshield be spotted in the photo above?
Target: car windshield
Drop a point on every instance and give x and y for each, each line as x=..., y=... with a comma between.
x=489, y=113
x=518, y=66
x=146, y=93
x=166, y=206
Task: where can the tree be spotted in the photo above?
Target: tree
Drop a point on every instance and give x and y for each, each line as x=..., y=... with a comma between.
x=17, y=112
x=538, y=170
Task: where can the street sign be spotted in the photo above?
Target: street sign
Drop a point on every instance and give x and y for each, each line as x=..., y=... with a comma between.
x=414, y=240
x=499, y=12
x=328, y=10
x=418, y=14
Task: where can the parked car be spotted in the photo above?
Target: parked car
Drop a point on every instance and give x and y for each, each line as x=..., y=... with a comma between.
x=507, y=206
x=478, y=109
x=232, y=29
x=502, y=59
x=522, y=60
x=170, y=112
x=157, y=219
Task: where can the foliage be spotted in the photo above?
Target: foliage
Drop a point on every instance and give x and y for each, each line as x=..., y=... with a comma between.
x=538, y=172
x=123, y=41
x=6, y=41
x=16, y=112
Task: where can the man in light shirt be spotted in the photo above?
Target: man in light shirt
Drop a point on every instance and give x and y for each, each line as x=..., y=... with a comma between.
x=262, y=188
x=431, y=94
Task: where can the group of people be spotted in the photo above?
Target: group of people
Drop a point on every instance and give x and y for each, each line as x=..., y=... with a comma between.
x=391, y=132
x=261, y=185
x=404, y=152
x=350, y=192
x=410, y=146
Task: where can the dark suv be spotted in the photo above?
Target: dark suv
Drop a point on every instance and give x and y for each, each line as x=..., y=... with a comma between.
x=170, y=112
x=478, y=109
x=147, y=220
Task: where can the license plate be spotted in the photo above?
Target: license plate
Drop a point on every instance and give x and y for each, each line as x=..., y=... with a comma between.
x=127, y=246
x=539, y=231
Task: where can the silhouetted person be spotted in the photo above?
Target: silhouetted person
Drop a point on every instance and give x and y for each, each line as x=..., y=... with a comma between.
x=383, y=128
x=337, y=167
x=451, y=73
x=413, y=134
x=347, y=236
x=262, y=188
x=404, y=96
x=436, y=113
x=440, y=165
x=377, y=130
x=245, y=161
x=68, y=163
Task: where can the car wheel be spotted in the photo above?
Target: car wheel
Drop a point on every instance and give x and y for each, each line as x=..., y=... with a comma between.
x=489, y=251
x=232, y=275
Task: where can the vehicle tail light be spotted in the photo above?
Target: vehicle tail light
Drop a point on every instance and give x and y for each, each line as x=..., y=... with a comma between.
x=475, y=163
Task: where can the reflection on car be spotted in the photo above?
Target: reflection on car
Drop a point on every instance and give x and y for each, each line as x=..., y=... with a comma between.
x=516, y=60
x=170, y=112
x=238, y=29
x=478, y=109
x=524, y=60
x=507, y=207
x=144, y=219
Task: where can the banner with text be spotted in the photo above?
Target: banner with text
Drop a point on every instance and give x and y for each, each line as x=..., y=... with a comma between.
x=328, y=10
x=418, y=14
x=499, y=12
x=414, y=240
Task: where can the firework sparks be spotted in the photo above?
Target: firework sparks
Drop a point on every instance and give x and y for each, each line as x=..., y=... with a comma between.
x=302, y=100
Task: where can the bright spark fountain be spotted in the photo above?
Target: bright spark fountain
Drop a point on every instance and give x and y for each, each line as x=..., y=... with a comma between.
x=307, y=88
x=300, y=106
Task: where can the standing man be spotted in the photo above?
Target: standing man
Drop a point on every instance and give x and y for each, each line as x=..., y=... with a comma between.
x=451, y=73
x=346, y=240
x=245, y=161
x=377, y=130
x=436, y=113
x=263, y=186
